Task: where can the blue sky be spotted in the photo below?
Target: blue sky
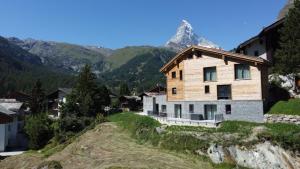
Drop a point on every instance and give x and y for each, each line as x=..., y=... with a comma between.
x=119, y=23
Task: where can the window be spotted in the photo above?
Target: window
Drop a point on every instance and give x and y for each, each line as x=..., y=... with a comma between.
x=210, y=74
x=245, y=52
x=173, y=75
x=256, y=53
x=224, y=92
x=163, y=108
x=209, y=111
x=206, y=89
x=228, y=109
x=242, y=71
x=180, y=74
x=174, y=91
x=191, y=108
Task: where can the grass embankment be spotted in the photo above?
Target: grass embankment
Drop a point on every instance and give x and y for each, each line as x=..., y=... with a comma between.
x=290, y=107
x=190, y=139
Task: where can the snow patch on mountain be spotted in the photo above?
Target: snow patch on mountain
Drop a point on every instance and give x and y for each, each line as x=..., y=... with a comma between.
x=185, y=37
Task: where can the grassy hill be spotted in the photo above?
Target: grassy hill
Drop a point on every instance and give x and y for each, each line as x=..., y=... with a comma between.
x=108, y=146
x=290, y=107
x=123, y=55
x=142, y=70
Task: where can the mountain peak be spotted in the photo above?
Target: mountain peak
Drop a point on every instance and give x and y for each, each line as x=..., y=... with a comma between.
x=186, y=37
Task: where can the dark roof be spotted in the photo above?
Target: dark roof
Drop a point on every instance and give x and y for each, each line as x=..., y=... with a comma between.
x=220, y=52
x=263, y=32
x=54, y=94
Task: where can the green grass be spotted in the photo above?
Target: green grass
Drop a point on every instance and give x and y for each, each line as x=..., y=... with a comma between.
x=291, y=107
x=123, y=55
x=175, y=138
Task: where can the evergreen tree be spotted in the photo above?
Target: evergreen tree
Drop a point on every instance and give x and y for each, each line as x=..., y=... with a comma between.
x=124, y=89
x=87, y=98
x=38, y=99
x=287, y=57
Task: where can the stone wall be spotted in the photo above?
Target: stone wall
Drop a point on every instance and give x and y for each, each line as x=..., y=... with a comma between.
x=281, y=118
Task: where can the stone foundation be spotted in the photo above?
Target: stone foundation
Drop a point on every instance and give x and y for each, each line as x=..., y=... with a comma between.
x=281, y=118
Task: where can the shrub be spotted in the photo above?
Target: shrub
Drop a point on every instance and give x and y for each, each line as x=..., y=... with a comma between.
x=183, y=143
x=290, y=107
x=50, y=165
x=38, y=130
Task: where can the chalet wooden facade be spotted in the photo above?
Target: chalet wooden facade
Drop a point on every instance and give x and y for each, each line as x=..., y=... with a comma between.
x=205, y=83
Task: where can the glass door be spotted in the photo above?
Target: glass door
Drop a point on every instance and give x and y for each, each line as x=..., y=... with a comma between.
x=210, y=111
x=177, y=110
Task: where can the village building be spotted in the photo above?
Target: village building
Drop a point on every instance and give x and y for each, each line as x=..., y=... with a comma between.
x=11, y=123
x=211, y=85
x=55, y=101
x=264, y=45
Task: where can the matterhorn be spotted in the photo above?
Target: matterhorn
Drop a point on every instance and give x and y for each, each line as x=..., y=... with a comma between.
x=186, y=37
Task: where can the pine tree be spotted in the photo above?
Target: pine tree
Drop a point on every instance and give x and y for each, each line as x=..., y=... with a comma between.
x=38, y=99
x=287, y=57
x=124, y=89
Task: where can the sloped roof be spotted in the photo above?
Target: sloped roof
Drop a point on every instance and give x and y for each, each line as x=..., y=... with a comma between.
x=3, y=110
x=220, y=52
x=11, y=104
x=262, y=32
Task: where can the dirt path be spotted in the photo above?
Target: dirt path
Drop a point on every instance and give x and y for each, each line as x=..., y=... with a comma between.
x=107, y=146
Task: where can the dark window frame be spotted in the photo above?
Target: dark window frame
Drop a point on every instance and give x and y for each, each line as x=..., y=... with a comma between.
x=174, y=75
x=243, y=66
x=229, y=97
x=191, y=108
x=180, y=75
x=206, y=89
x=204, y=72
x=228, y=109
x=174, y=91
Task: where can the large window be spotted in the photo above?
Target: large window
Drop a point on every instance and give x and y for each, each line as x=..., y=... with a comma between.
x=242, y=71
x=210, y=74
x=209, y=111
x=224, y=92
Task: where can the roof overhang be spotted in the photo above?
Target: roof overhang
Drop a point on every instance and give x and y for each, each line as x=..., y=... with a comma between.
x=221, y=53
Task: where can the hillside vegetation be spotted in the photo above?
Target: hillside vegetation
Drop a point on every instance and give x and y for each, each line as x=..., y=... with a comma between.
x=290, y=107
x=142, y=71
x=190, y=139
x=20, y=69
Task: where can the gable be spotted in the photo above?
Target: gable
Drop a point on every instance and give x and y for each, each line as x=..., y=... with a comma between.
x=210, y=52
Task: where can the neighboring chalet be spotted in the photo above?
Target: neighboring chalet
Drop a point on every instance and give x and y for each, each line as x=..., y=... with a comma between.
x=55, y=100
x=206, y=84
x=11, y=122
x=130, y=103
x=264, y=46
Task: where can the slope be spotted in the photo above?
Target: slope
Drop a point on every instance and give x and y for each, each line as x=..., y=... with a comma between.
x=108, y=146
x=142, y=71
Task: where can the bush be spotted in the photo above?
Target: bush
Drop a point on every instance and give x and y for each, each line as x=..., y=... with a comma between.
x=183, y=143
x=290, y=107
x=50, y=165
x=38, y=130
